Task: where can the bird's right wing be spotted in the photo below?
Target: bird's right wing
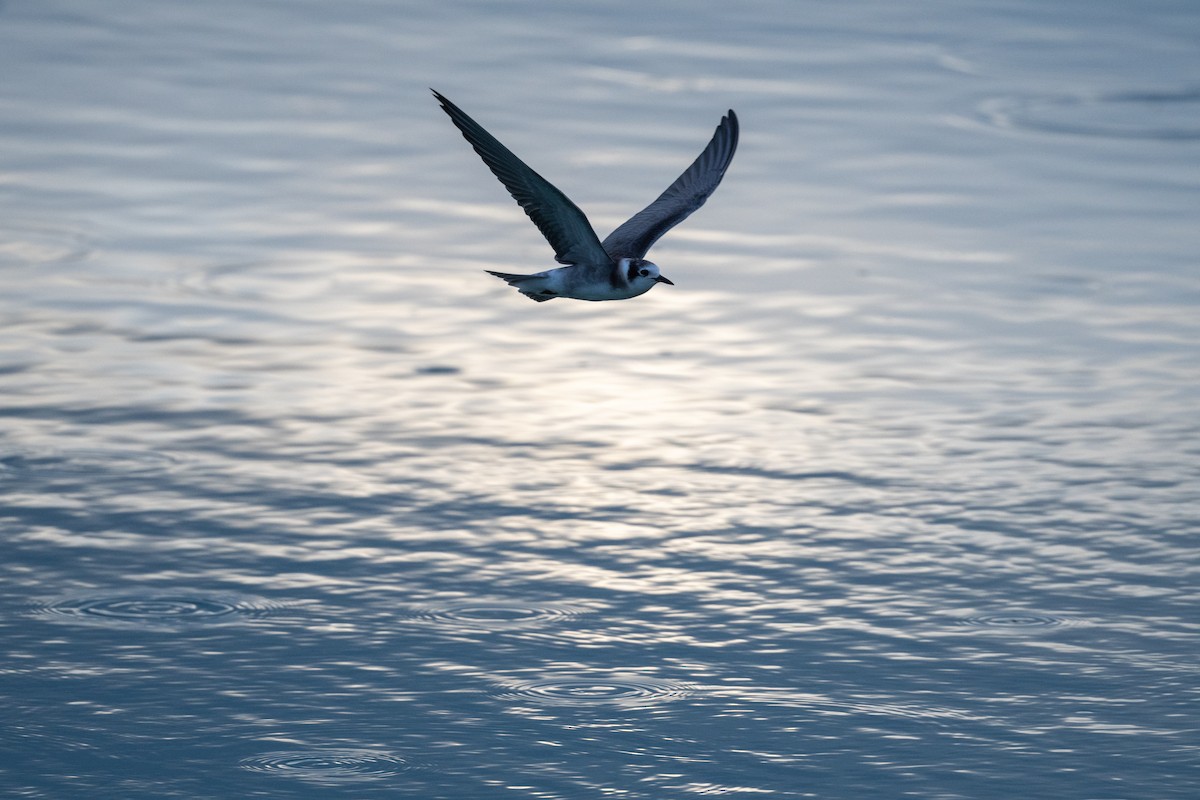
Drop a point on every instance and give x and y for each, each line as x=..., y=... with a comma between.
x=689, y=191
x=565, y=227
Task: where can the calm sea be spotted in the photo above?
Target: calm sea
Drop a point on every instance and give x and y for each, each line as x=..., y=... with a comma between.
x=895, y=494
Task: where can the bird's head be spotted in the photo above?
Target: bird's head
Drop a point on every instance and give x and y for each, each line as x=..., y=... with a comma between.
x=643, y=273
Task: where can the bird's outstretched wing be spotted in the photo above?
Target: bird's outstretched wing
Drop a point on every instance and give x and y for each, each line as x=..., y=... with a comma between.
x=560, y=221
x=689, y=191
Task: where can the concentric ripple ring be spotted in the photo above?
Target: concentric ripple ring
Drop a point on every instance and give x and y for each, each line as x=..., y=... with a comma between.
x=328, y=766
x=33, y=246
x=1015, y=621
x=588, y=690
x=161, y=608
x=1156, y=115
x=495, y=614
x=83, y=461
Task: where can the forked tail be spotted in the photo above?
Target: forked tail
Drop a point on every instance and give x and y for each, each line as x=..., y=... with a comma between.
x=520, y=283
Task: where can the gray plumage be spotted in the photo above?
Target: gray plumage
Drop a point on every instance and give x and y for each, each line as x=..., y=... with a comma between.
x=638, y=234
x=615, y=269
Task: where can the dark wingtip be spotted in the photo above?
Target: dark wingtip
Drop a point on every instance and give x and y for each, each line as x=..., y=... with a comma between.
x=729, y=124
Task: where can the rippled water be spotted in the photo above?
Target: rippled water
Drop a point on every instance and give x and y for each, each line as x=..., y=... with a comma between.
x=328, y=766
x=894, y=494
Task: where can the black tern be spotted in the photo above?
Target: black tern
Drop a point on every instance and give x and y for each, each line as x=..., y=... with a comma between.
x=615, y=269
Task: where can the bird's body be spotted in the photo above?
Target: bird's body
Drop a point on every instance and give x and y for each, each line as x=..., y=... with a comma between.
x=625, y=278
x=615, y=269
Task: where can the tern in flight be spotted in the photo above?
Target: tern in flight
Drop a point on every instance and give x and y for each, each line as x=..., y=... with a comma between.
x=615, y=269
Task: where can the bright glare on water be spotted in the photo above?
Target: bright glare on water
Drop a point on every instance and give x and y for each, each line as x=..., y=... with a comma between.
x=895, y=493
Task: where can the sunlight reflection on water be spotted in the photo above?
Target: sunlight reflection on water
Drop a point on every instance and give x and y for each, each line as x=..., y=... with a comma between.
x=892, y=494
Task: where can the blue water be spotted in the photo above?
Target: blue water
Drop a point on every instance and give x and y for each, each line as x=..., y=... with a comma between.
x=895, y=494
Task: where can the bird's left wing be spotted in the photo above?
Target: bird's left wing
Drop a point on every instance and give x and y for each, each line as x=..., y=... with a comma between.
x=689, y=191
x=565, y=227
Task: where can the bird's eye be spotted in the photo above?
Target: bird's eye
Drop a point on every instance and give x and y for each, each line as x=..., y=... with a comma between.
x=644, y=272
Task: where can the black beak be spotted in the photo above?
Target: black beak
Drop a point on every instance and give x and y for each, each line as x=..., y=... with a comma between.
x=661, y=279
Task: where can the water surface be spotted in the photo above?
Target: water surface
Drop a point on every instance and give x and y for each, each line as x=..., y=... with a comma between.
x=894, y=494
